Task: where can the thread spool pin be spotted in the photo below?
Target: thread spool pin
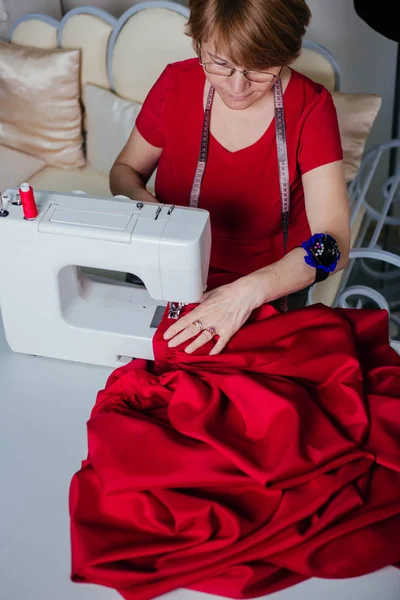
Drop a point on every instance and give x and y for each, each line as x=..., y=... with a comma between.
x=3, y=211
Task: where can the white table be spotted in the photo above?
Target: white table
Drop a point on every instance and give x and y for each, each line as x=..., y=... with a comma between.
x=44, y=406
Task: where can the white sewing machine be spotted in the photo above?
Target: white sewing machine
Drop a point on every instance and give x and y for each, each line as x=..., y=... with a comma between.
x=51, y=307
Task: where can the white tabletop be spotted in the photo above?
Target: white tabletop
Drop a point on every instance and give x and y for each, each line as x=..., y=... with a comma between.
x=44, y=406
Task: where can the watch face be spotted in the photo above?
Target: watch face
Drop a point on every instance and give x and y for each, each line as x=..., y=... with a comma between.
x=325, y=250
x=322, y=252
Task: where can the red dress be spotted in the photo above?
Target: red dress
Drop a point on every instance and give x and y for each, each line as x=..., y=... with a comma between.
x=277, y=460
x=240, y=189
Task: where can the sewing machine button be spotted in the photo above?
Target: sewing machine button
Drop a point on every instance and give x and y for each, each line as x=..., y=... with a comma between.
x=139, y=205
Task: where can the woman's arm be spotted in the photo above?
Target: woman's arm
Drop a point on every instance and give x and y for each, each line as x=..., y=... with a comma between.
x=133, y=168
x=327, y=208
x=227, y=308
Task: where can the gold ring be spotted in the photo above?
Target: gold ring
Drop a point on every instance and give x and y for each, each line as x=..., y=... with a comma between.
x=211, y=330
x=199, y=325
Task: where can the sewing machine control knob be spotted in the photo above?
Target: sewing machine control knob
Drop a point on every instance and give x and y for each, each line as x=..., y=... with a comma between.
x=139, y=205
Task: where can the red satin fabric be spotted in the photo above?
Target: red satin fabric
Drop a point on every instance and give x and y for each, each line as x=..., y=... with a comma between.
x=247, y=472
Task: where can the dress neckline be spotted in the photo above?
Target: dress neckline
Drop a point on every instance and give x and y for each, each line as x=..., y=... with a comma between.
x=261, y=139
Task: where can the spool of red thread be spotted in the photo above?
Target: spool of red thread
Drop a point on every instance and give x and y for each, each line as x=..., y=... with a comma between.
x=28, y=201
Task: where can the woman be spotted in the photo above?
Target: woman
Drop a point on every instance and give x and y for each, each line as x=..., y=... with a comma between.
x=252, y=469
x=240, y=187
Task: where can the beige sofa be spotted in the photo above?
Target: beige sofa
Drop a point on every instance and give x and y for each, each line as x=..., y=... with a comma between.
x=120, y=60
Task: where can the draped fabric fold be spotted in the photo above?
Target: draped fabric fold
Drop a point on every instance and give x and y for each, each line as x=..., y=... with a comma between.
x=244, y=473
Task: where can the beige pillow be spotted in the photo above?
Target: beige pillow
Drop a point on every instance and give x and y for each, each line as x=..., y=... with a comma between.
x=109, y=122
x=40, y=111
x=356, y=115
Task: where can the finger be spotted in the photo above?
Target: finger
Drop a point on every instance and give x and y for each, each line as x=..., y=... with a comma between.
x=219, y=346
x=202, y=339
x=184, y=335
x=205, y=296
x=180, y=325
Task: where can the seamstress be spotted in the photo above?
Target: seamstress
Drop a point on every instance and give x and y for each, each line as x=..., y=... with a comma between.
x=245, y=49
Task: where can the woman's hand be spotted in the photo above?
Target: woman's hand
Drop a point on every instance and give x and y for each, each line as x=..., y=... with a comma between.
x=221, y=312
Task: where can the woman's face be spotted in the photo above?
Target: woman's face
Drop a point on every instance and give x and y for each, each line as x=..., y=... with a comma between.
x=236, y=92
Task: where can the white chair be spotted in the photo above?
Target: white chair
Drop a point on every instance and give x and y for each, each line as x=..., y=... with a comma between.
x=386, y=279
x=390, y=191
x=381, y=269
x=365, y=294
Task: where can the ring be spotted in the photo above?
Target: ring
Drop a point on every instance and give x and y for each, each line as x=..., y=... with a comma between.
x=211, y=330
x=198, y=324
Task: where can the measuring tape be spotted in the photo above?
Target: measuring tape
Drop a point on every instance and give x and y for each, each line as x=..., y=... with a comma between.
x=283, y=165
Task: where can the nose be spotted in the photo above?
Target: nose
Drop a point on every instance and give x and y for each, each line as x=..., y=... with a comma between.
x=238, y=83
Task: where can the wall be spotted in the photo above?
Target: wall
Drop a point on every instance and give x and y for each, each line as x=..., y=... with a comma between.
x=367, y=60
x=17, y=8
x=368, y=63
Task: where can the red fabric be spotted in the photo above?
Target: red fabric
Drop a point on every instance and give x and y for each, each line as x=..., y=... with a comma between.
x=240, y=189
x=243, y=473
x=277, y=460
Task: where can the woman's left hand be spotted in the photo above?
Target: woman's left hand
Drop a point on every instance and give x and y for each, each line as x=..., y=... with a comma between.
x=221, y=312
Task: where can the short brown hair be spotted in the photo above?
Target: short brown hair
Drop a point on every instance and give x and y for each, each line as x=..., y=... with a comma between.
x=255, y=34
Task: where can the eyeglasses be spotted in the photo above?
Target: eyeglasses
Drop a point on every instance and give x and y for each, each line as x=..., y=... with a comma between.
x=224, y=71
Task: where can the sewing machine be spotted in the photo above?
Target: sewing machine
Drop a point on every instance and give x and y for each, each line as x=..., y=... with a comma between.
x=53, y=306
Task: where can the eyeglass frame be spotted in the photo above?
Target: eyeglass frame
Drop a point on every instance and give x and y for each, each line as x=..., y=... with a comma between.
x=233, y=70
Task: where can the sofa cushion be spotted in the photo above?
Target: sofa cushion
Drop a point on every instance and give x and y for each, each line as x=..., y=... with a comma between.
x=86, y=180
x=149, y=40
x=356, y=116
x=17, y=167
x=109, y=122
x=91, y=34
x=40, y=110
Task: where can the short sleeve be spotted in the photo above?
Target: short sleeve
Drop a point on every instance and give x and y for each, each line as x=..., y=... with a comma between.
x=320, y=142
x=149, y=122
